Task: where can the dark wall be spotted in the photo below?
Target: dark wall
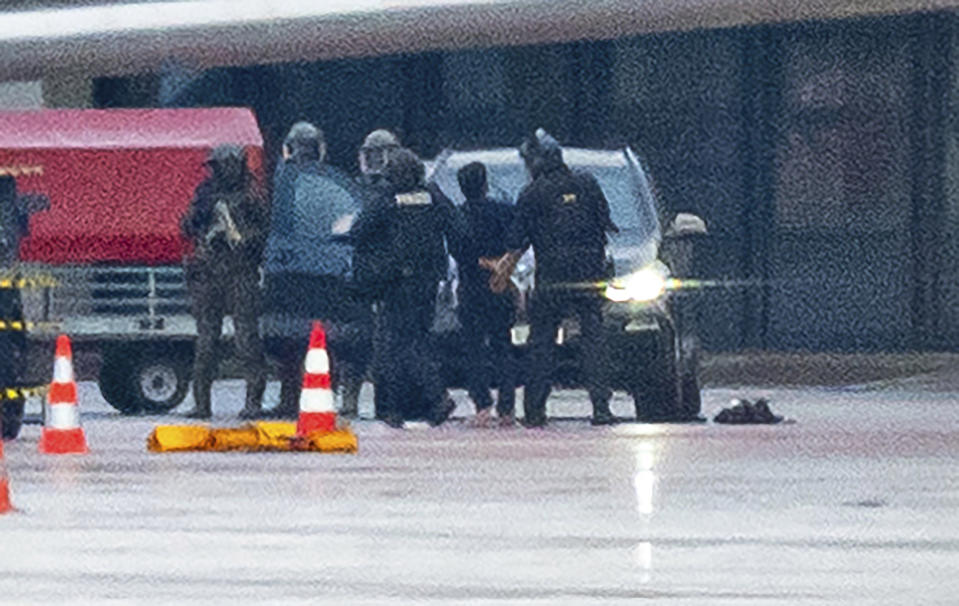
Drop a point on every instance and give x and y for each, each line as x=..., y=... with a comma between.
x=801, y=146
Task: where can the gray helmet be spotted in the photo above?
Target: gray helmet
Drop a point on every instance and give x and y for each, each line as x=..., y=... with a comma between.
x=404, y=170
x=541, y=152
x=304, y=142
x=227, y=162
x=375, y=151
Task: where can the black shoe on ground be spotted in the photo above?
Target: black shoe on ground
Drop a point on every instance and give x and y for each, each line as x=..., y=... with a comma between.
x=762, y=413
x=604, y=417
x=534, y=422
x=197, y=413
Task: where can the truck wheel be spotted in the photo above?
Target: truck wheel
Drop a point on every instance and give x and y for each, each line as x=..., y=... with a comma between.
x=12, y=418
x=115, y=382
x=159, y=382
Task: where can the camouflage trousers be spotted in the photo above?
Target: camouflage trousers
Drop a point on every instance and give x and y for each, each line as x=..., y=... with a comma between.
x=214, y=295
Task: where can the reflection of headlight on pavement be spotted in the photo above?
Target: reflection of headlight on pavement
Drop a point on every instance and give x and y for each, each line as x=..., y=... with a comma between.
x=645, y=285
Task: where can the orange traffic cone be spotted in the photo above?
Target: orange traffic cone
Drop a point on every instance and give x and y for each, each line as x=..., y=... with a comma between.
x=62, y=433
x=316, y=397
x=5, y=505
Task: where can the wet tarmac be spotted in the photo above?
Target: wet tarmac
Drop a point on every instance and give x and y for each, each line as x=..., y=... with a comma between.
x=855, y=503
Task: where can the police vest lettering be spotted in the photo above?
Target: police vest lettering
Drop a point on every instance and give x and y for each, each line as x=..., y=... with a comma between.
x=418, y=198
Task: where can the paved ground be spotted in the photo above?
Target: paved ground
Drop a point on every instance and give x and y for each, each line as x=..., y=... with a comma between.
x=853, y=504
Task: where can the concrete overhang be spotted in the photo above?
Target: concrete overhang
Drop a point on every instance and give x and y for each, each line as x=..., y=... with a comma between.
x=119, y=38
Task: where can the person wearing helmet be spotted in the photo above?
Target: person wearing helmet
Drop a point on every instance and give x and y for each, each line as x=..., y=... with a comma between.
x=373, y=156
x=408, y=225
x=225, y=223
x=307, y=269
x=564, y=216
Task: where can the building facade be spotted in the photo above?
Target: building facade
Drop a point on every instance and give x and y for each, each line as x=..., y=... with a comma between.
x=823, y=155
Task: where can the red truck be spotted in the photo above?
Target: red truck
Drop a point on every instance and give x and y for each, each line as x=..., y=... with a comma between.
x=112, y=185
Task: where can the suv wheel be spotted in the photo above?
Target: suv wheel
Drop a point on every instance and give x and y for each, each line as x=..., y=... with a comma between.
x=657, y=393
x=656, y=398
x=691, y=405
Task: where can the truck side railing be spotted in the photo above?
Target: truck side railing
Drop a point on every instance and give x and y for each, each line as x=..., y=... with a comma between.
x=113, y=302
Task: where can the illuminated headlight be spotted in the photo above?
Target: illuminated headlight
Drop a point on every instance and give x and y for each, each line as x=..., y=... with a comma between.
x=643, y=286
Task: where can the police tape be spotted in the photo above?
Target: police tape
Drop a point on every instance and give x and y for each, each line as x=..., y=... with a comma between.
x=21, y=326
x=16, y=393
x=11, y=282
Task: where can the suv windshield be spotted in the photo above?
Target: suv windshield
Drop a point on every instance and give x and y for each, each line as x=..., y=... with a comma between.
x=622, y=180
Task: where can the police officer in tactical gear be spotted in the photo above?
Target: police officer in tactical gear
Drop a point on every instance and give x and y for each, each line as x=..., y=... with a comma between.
x=307, y=269
x=486, y=316
x=373, y=155
x=565, y=216
x=408, y=226
x=225, y=223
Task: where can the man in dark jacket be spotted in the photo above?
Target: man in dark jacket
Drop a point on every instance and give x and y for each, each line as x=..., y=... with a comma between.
x=307, y=267
x=564, y=215
x=408, y=227
x=371, y=158
x=486, y=316
x=226, y=224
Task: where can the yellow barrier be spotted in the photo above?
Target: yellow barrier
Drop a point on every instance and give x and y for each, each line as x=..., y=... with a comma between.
x=261, y=436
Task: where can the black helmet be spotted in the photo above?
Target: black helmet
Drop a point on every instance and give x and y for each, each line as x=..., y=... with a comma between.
x=405, y=170
x=304, y=142
x=472, y=180
x=541, y=152
x=375, y=150
x=228, y=165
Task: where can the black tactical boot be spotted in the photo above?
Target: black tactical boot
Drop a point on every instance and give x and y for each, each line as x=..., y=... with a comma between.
x=199, y=413
x=603, y=416
x=534, y=419
x=439, y=415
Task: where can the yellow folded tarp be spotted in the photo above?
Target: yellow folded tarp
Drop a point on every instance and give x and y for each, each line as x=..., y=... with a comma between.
x=171, y=438
x=258, y=436
x=341, y=440
x=275, y=435
x=241, y=438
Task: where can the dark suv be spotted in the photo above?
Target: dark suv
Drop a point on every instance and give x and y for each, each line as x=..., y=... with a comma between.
x=652, y=342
